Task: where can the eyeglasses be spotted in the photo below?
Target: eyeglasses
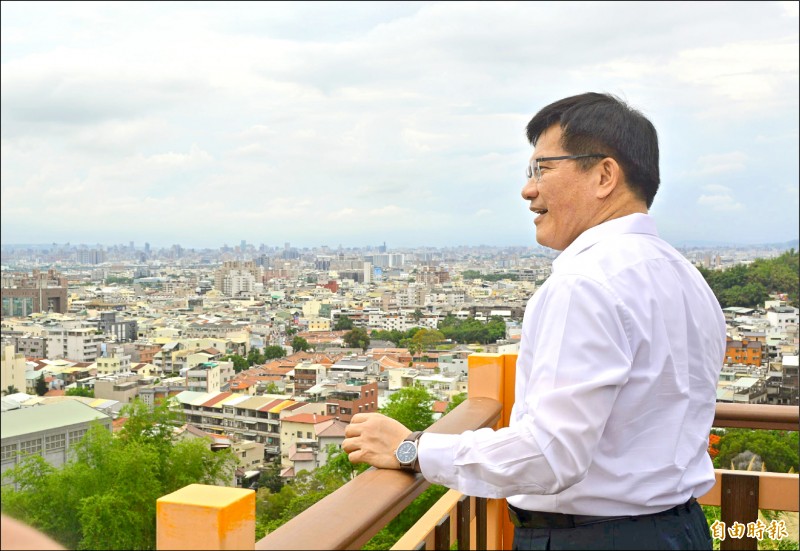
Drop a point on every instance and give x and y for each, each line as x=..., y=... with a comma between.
x=534, y=170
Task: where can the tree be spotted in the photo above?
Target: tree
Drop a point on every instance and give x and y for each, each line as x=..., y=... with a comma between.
x=357, y=338
x=455, y=401
x=777, y=449
x=41, y=386
x=10, y=390
x=300, y=344
x=343, y=323
x=274, y=352
x=239, y=362
x=254, y=357
x=105, y=496
x=80, y=391
x=427, y=338
x=412, y=406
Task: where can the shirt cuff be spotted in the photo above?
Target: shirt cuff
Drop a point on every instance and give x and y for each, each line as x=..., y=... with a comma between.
x=436, y=457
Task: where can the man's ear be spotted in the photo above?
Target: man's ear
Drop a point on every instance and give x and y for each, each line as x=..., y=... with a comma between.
x=609, y=175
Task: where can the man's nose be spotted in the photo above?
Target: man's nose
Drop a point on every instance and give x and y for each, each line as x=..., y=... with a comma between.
x=530, y=190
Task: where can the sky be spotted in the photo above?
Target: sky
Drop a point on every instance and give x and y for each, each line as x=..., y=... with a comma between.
x=359, y=123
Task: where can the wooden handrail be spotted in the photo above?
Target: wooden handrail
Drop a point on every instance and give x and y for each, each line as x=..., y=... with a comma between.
x=757, y=416
x=362, y=507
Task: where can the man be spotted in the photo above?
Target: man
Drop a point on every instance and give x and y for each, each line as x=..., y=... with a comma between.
x=618, y=364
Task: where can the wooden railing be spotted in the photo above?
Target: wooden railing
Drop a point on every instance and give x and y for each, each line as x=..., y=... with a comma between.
x=354, y=513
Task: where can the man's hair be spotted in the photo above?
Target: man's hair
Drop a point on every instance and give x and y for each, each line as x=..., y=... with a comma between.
x=602, y=123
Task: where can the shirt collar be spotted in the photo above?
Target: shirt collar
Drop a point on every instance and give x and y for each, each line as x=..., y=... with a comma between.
x=632, y=223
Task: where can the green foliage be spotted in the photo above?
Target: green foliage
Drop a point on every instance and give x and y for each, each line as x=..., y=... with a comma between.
x=471, y=330
x=300, y=344
x=275, y=508
x=274, y=352
x=394, y=336
x=475, y=274
x=428, y=338
x=344, y=323
x=10, y=390
x=254, y=357
x=357, y=338
x=396, y=528
x=118, y=279
x=412, y=406
x=455, y=401
x=41, y=386
x=778, y=449
x=105, y=496
x=80, y=391
x=749, y=286
x=239, y=362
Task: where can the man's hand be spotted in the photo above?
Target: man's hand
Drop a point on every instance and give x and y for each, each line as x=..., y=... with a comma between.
x=372, y=438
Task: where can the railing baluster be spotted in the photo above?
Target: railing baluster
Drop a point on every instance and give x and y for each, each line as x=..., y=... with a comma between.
x=441, y=539
x=462, y=524
x=480, y=522
x=739, y=505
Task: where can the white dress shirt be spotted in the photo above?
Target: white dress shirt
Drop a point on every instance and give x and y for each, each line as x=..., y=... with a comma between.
x=615, y=386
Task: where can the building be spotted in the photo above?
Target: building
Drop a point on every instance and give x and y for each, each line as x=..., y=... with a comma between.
x=122, y=388
x=120, y=330
x=48, y=430
x=12, y=370
x=23, y=295
x=32, y=346
x=81, y=344
x=743, y=352
x=343, y=400
x=205, y=377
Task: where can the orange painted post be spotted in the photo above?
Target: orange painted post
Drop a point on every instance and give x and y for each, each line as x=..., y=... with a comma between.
x=206, y=517
x=492, y=376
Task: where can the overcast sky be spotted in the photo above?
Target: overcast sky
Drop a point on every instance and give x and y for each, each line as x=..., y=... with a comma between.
x=205, y=123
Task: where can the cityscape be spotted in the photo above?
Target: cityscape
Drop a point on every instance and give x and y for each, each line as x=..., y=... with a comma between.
x=269, y=351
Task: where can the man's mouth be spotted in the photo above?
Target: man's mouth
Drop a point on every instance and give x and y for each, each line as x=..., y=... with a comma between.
x=539, y=211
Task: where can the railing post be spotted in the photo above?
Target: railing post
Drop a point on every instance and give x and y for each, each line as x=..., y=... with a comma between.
x=206, y=517
x=739, y=505
x=492, y=376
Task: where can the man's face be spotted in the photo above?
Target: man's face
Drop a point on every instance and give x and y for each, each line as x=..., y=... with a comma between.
x=563, y=200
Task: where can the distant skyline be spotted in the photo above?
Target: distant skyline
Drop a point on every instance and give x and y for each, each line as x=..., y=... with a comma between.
x=355, y=123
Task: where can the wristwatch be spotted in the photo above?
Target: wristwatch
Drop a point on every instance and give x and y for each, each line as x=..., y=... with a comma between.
x=406, y=452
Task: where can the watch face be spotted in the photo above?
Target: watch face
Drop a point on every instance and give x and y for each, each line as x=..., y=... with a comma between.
x=406, y=453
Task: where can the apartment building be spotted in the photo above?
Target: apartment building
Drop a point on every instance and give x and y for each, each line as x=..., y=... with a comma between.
x=238, y=416
x=743, y=352
x=32, y=346
x=12, y=369
x=299, y=432
x=78, y=343
x=344, y=399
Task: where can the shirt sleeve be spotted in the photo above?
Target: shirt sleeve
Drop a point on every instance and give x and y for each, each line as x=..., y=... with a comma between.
x=573, y=360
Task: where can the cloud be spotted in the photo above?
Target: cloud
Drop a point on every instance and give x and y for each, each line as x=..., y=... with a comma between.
x=352, y=121
x=721, y=162
x=719, y=198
